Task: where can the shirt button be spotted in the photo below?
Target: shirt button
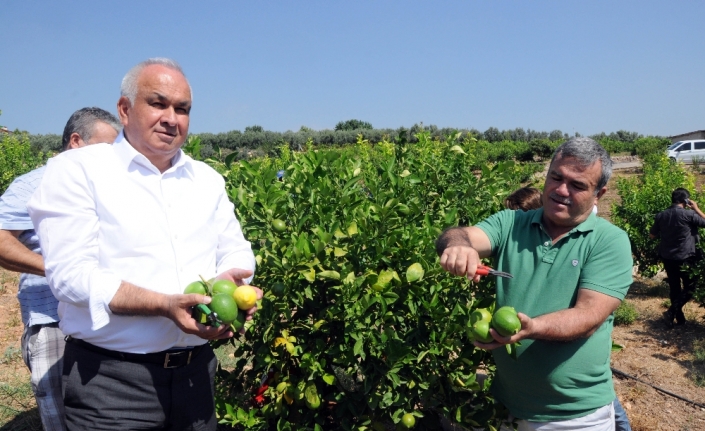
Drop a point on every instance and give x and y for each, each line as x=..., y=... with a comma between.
x=177, y=237
x=546, y=243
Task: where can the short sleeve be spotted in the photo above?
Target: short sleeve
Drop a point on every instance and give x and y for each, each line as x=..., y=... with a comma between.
x=608, y=269
x=13, y=203
x=496, y=227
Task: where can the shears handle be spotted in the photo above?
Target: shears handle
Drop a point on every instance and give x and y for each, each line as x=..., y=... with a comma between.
x=483, y=270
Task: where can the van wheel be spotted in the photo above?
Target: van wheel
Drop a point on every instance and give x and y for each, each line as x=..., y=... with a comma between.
x=672, y=159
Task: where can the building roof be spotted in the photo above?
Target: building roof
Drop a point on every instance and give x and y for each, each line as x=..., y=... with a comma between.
x=686, y=134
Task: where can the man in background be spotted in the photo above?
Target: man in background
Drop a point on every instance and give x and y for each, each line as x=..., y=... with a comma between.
x=42, y=340
x=678, y=230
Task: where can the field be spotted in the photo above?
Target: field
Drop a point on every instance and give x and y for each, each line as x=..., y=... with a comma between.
x=673, y=360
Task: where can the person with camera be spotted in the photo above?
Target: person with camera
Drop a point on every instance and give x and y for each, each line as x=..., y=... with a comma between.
x=678, y=230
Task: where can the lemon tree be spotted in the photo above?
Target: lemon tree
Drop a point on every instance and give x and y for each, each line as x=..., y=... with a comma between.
x=359, y=324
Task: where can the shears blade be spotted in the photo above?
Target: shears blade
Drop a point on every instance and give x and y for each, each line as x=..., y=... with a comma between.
x=486, y=270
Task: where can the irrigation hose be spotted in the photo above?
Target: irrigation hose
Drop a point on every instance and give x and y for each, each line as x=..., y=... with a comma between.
x=623, y=374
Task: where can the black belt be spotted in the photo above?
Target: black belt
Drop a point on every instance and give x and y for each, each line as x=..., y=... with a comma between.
x=174, y=358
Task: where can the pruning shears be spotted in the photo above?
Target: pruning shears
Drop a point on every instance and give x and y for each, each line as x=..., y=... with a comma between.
x=486, y=270
x=212, y=316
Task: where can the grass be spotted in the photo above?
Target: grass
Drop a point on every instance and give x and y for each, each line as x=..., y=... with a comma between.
x=225, y=355
x=625, y=314
x=11, y=354
x=18, y=409
x=697, y=373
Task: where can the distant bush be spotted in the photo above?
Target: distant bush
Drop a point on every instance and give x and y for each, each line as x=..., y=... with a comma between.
x=353, y=125
x=16, y=158
x=45, y=143
x=625, y=314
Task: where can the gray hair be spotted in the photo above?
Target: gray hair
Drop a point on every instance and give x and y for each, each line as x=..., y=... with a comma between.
x=83, y=122
x=128, y=88
x=587, y=152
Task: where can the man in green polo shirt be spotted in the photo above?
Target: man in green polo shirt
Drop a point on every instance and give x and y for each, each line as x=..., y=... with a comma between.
x=571, y=270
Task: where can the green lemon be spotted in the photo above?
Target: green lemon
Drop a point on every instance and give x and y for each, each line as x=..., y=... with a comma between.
x=414, y=272
x=506, y=322
x=481, y=331
x=224, y=286
x=278, y=289
x=480, y=314
x=239, y=321
x=196, y=287
x=225, y=307
x=408, y=420
x=278, y=225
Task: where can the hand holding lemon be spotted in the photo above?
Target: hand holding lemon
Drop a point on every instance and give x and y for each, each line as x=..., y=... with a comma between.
x=230, y=304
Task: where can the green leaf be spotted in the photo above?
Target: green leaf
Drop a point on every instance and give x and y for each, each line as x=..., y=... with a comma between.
x=457, y=149
x=309, y=274
x=358, y=348
x=331, y=275
x=352, y=229
x=329, y=378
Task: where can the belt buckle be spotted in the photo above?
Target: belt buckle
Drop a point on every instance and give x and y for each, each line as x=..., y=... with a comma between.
x=168, y=357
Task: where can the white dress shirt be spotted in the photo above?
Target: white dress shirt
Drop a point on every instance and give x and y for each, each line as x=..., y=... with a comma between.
x=104, y=214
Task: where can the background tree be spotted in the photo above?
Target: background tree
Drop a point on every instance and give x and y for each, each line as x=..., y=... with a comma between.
x=353, y=125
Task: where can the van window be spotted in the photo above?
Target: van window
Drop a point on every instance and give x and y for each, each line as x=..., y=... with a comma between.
x=699, y=145
x=684, y=147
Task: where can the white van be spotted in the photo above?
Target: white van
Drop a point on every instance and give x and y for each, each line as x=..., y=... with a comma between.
x=685, y=151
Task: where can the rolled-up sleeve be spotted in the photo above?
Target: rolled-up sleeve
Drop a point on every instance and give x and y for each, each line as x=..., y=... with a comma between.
x=63, y=211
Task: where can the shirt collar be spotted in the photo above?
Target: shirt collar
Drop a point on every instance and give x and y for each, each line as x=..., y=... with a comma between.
x=127, y=154
x=586, y=226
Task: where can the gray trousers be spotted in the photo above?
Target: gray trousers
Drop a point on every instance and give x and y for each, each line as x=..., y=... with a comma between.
x=105, y=393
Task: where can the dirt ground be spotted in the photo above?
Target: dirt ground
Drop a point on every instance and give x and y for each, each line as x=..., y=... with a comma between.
x=658, y=357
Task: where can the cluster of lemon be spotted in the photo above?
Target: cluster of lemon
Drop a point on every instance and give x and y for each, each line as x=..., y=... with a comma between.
x=504, y=320
x=228, y=301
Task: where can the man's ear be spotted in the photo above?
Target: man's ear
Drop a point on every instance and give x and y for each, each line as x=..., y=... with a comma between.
x=75, y=141
x=601, y=192
x=123, y=105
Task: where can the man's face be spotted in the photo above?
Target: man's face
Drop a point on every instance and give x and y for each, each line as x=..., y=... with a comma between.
x=570, y=192
x=102, y=132
x=157, y=124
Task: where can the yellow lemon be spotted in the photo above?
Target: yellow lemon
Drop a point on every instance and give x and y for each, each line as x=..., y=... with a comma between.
x=245, y=296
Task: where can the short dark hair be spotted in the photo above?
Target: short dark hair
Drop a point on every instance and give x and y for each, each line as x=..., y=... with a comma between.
x=525, y=198
x=83, y=122
x=680, y=195
x=587, y=151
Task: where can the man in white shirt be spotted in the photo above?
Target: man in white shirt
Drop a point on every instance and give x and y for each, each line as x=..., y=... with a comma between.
x=124, y=228
x=42, y=340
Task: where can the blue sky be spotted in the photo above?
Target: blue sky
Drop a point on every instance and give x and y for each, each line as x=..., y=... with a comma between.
x=577, y=66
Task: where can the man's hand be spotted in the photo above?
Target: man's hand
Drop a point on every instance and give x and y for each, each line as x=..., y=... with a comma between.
x=179, y=311
x=694, y=206
x=461, y=260
x=460, y=250
x=238, y=276
x=527, y=325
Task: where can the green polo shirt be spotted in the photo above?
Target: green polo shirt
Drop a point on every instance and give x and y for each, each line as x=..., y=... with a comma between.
x=552, y=381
